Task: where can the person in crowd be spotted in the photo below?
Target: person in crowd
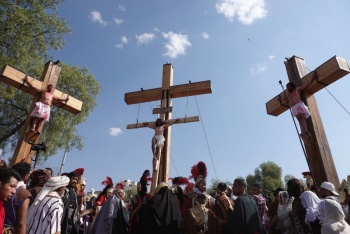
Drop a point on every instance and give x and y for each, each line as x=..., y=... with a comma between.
x=8, y=183
x=298, y=213
x=332, y=217
x=37, y=179
x=200, y=219
x=70, y=217
x=260, y=202
x=327, y=191
x=245, y=216
x=16, y=209
x=271, y=213
x=284, y=208
x=223, y=206
x=45, y=214
x=310, y=202
x=162, y=213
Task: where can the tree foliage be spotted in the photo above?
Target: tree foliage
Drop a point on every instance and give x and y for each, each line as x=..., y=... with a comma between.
x=268, y=175
x=29, y=30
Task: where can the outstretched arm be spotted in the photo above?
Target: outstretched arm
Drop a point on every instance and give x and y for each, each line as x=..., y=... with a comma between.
x=31, y=85
x=301, y=88
x=175, y=121
x=145, y=124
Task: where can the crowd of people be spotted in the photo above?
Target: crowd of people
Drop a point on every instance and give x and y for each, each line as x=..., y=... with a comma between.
x=38, y=202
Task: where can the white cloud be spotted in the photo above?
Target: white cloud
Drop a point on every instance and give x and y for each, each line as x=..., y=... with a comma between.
x=95, y=16
x=123, y=41
x=115, y=131
x=145, y=38
x=271, y=57
x=176, y=45
x=121, y=8
x=118, y=21
x=258, y=69
x=156, y=29
x=205, y=36
x=246, y=10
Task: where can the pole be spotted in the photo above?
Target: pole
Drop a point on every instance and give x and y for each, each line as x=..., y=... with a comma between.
x=63, y=159
x=296, y=128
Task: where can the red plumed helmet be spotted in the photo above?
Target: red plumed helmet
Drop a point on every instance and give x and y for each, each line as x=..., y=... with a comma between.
x=107, y=181
x=120, y=185
x=180, y=180
x=198, y=169
x=79, y=171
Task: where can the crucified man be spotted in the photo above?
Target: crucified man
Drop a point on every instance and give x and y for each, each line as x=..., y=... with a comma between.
x=42, y=108
x=158, y=139
x=298, y=107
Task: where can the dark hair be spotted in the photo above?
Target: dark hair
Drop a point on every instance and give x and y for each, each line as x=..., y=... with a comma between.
x=49, y=169
x=7, y=174
x=159, y=122
x=22, y=168
x=257, y=185
x=221, y=187
x=291, y=84
x=295, y=188
x=72, y=174
x=240, y=182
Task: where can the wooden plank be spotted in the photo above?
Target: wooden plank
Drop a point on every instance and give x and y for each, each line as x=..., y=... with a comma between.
x=181, y=120
x=162, y=110
x=190, y=89
x=329, y=72
x=176, y=91
x=13, y=77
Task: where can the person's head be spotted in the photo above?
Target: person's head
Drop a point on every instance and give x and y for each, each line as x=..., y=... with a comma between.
x=201, y=199
x=276, y=193
x=50, y=88
x=295, y=188
x=201, y=184
x=23, y=170
x=239, y=187
x=291, y=87
x=39, y=177
x=8, y=183
x=109, y=192
x=120, y=193
x=50, y=170
x=256, y=189
x=159, y=122
x=73, y=179
x=229, y=191
x=327, y=189
x=221, y=188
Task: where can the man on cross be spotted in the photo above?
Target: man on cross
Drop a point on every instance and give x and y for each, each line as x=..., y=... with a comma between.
x=158, y=138
x=42, y=108
x=298, y=107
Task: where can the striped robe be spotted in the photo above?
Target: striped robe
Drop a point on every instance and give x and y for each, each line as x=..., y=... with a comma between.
x=45, y=217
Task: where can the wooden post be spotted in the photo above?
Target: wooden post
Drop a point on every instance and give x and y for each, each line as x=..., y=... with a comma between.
x=165, y=95
x=319, y=156
x=15, y=78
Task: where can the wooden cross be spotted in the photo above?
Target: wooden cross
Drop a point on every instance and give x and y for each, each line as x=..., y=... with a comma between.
x=165, y=95
x=15, y=78
x=318, y=152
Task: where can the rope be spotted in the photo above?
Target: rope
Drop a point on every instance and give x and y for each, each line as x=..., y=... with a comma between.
x=337, y=101
x=332, y=96
x=206, y=139
x=172, y=161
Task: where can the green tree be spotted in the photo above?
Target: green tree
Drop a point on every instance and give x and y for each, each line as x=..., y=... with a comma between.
x=29, y=30
x=268, y=175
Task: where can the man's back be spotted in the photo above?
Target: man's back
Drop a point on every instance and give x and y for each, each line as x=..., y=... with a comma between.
x=245, y=217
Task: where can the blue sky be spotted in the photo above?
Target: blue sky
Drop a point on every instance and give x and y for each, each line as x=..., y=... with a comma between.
x=240, y=45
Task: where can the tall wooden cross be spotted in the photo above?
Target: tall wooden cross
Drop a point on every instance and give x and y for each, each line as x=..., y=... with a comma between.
x=165, y=95
x=15, y=78
x=318, y=152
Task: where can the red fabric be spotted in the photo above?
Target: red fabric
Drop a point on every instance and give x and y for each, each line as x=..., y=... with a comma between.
x=2, y=216
x=101, y=200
